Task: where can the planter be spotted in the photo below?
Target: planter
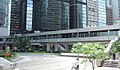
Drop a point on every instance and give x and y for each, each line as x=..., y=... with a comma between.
x=99, y=62
x=119, y=61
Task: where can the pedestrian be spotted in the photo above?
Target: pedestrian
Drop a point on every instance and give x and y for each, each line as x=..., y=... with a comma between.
x=113, y=56
x=75, y=66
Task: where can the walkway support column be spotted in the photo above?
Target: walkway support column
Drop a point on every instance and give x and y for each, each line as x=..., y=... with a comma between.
x=48, y=46
x=56, y=47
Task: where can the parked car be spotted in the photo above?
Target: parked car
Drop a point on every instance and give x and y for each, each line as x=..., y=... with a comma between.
x=6, y=64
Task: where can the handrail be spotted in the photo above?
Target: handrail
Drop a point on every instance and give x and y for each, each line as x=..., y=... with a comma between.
x=110, y=45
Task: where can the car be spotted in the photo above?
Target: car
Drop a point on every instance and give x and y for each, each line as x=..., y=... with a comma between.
x=7, y=65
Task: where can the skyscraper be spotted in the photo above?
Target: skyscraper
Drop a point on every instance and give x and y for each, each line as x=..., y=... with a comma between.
x=92, y=13
x=29, y=14
x=50, y=15
x=39, y=15
x=21, y=16
x=54, y=15
x=109, y=2
x=101, y=13
x=96, y=12
x=18, y=16
x=115, y=9
x=5, y=6
x=78, y=14
x=65, y=16
x=109, y=15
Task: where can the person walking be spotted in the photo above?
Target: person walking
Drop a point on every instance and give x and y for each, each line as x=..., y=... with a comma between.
x=75, y=65
x=114, y=56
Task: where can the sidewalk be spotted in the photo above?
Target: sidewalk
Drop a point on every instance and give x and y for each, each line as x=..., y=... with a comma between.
x=88, y=66
x=100, y=68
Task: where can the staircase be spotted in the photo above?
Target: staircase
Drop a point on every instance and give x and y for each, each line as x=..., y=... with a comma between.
x=61, y=47
x=110, y=45
x=110, y=63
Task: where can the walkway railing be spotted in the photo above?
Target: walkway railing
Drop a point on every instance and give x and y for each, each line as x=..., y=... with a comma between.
x=110, y=45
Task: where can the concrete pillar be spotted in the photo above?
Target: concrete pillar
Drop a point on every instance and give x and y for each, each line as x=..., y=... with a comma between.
x=4, y=40
x=48, y=46
x=119, y=61
x=89, y=34
x=72, y=35
x=67, y=47
x=108, y=32
x=56, y=47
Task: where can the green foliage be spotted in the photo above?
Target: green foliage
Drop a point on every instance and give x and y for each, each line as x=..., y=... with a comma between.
x=12, y=55
x=116, y=47
x=77, y=48
x=2, y=54
x=21, y=42
x=91, y=50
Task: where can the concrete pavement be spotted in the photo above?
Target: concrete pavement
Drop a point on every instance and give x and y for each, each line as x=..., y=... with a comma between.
x=54, y=63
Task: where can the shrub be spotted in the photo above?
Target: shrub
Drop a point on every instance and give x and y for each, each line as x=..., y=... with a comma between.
x=2, y=54
x=8, y=55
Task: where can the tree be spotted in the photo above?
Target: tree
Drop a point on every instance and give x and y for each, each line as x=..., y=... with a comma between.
x=21, y=42
x=116, y=47
x=92, y=51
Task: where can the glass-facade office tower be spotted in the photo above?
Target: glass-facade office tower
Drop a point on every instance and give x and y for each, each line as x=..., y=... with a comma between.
x=5, y=6
x=65, y=16
x=101, y=12
x=92, y=7
x=115, y=10
x=82, y=12
x=29, y=15
x=87, y=13
x=40, y=15
x=109, y=17
x=50, y=15
x=18, y=16
x=78, y=14
x=54, y=15
x=109, y=2
x=21, y=16
x=96, y=12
